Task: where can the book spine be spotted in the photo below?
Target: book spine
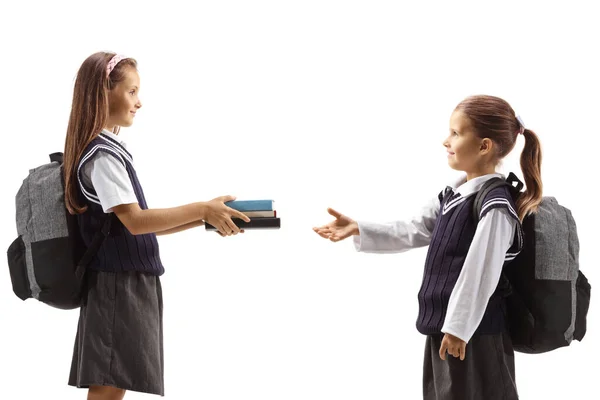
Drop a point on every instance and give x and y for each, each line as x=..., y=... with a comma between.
x=256, y=223
x=260, y=214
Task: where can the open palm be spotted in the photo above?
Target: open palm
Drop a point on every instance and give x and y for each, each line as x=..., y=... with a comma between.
x=340, y=228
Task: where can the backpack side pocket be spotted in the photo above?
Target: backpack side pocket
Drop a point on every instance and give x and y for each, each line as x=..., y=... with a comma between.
x=583, y=289
x=18, y=269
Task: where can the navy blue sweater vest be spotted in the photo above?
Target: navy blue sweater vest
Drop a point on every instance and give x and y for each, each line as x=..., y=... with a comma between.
x=451, y=239
x=121, y=251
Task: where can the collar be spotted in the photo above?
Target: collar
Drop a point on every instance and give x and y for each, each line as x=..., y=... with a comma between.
x=467, y=188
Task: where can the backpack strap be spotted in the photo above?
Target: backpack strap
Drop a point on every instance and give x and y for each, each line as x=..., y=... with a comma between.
x=487, y=187
x=56, y=157
x=492, y=184
x=504, y=288
x=93, y=248
x=512, y=179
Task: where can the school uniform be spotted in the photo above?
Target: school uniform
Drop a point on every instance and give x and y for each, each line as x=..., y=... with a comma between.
x=119, y=339
x=460, y=292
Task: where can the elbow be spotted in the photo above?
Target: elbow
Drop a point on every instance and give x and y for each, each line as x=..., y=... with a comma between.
x=136, y=226
x=132, y=221
x=132, y=227
x=133, y=230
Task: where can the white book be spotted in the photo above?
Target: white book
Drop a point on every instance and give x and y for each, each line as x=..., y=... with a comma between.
x=252, y=214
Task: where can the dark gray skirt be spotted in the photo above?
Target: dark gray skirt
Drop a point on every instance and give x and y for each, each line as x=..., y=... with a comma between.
x=119, y=338
x=486, y=373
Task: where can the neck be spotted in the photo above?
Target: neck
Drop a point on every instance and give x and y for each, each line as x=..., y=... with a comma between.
x=480, y=172
x=111, y=128
x=110, y=124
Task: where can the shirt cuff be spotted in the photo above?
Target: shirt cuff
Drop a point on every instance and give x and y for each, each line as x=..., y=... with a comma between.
x=364, y=241
x=460, y=335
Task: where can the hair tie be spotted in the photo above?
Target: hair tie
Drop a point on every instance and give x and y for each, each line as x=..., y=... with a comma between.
x=113, y=63
x=521, y=125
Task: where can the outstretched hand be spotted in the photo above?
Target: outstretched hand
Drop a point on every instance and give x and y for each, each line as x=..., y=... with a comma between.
x=339, y=229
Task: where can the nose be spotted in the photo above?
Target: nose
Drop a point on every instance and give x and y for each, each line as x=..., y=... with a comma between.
x=139, y=104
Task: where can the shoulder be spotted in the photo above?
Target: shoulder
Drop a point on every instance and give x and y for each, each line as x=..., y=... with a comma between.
x=499, y=198
x=501, y=192
x=99, y=149
x=102, y=168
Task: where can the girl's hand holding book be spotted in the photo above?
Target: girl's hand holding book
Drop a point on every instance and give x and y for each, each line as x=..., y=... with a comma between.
x=219, y=215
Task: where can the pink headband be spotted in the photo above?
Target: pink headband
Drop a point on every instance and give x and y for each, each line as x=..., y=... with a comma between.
x=113, y=62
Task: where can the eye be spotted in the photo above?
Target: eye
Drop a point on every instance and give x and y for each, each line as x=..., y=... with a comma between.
x=132, y=92
x=454, y=133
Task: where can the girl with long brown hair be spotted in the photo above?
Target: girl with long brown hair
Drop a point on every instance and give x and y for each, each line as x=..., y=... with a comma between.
x=461, y=308
x=119, y=342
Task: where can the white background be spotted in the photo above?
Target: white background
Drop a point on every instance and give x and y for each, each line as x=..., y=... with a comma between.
x=313, y=104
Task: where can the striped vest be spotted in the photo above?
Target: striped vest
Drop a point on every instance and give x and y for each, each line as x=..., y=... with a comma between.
x=451, y=239
x=121, y=251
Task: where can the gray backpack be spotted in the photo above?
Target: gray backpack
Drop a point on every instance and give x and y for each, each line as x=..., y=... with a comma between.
x=547, y=296
x=47, y=260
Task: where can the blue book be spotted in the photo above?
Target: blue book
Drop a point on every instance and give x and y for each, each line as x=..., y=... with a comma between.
x=251, y=205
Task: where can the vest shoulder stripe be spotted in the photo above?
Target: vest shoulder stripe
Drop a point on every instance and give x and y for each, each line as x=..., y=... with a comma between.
x=90, y=193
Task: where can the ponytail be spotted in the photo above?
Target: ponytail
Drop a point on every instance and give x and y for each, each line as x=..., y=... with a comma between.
x=531, y=164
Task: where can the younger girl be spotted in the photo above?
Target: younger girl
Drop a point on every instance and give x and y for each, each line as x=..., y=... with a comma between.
x=119, y=343
x=460, y=309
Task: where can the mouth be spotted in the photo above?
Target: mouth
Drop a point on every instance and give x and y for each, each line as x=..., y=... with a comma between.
x=133, y=112
x=450, y=154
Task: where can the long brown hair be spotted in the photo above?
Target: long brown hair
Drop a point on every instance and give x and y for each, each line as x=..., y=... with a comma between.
x=89, y=115
x=493, y=118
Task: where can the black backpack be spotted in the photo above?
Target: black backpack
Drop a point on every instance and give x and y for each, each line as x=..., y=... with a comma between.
x=547, y=296
x=47, y=261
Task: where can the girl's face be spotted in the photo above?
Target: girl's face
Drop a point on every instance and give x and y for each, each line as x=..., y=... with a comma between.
x=466, y=151
x=123, y=99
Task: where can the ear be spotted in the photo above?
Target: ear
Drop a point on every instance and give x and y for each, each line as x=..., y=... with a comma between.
x=486, y=146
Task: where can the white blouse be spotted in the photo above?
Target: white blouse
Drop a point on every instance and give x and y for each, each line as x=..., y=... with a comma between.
x=109, y=178
x=480, y=274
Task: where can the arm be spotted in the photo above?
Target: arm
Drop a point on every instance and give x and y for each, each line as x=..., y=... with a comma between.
x=181, y=228
x=156, y=220
x=480, y=274
x=115, y=193
x=398, y=236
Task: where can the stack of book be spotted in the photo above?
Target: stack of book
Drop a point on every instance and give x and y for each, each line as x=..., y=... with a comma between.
x=262, y=214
